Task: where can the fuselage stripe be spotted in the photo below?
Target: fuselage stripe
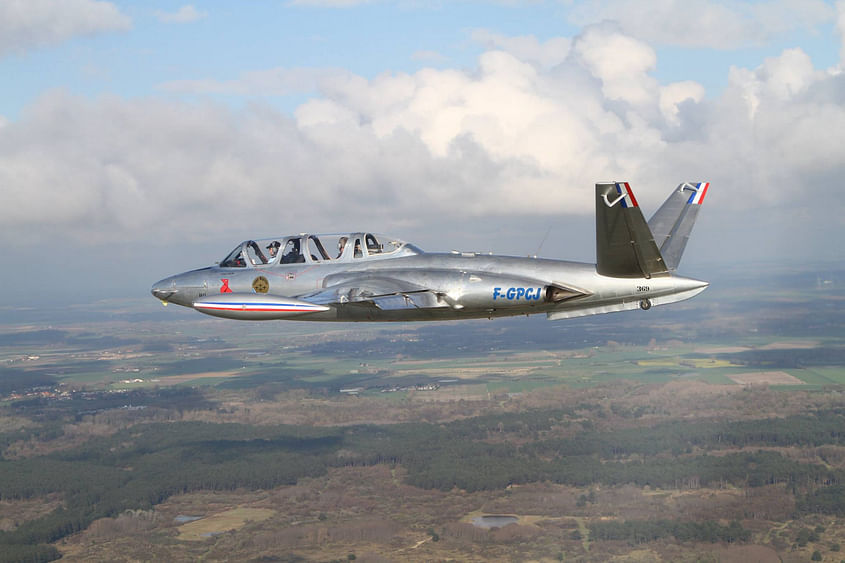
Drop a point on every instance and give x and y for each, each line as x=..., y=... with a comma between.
x=257, y=307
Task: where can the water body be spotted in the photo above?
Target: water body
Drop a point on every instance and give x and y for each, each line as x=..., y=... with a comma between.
x=182, y=519
x=493, y=521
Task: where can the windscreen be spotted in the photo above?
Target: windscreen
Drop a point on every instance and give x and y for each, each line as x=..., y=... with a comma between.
x=234, y=259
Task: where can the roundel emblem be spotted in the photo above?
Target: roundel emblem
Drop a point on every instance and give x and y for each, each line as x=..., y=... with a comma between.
x=260, y=285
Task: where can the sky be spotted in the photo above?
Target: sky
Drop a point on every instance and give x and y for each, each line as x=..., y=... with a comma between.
x=140, y=139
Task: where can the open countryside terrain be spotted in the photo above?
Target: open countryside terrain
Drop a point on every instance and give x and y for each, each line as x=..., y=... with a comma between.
x=712, y=430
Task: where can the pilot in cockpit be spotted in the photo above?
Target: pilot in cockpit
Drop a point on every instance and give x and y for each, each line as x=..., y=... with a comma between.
x=294, y=255
x=341, y=246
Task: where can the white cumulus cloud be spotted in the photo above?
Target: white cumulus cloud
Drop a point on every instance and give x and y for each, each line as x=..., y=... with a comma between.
x=29, y=24
x=620, y=62
x=413, y=152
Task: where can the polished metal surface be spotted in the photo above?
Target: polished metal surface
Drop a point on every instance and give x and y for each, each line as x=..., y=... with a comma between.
x=362, y=276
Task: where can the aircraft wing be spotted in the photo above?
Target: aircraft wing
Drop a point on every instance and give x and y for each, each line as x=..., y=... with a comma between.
x=386, y=293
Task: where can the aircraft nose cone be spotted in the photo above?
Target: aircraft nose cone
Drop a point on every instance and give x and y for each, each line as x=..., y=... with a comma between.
x=163, y=289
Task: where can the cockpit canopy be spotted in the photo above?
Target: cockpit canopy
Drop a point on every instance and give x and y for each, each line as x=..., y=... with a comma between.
x=305, y=248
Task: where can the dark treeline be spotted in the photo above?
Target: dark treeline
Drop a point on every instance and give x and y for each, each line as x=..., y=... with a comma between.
x=827, y=500
x=643, y=531
x=29, y=553
x=436, y=458
x=789, y=358
x=145, y=464
x=677, y=437
x=18, y=380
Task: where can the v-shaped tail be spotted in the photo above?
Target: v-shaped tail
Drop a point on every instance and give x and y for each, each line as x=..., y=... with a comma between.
x=627, y=246
x=672, y=223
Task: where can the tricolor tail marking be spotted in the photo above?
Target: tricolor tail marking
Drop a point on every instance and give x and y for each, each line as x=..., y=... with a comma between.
x=624, y=189
x=699, y=191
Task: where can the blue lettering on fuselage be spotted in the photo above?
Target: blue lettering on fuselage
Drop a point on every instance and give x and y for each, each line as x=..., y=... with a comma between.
x=517, y=293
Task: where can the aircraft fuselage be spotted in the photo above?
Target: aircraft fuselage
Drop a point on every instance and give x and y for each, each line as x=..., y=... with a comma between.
x=363, y=276
x=470, y=286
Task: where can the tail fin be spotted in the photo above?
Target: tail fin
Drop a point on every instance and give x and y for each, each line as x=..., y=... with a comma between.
x=625, y=247
x=672, y=223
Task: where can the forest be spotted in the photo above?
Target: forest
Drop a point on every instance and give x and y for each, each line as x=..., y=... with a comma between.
x=145, y=464
x=643, y=531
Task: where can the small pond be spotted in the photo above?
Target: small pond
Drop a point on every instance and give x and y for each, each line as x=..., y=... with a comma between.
x=494, y=521
x=182, y=518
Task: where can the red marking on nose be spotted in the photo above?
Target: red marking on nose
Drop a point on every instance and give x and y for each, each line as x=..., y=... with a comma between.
x=225, y=287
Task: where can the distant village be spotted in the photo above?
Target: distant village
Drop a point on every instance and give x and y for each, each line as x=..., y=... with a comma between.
x=60, y=393
x=392, y=389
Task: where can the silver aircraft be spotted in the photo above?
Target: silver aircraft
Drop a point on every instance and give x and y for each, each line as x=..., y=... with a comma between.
x=362, y=276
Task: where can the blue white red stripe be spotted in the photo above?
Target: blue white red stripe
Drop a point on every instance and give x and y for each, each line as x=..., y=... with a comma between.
x=698, y=195
x=624, y=188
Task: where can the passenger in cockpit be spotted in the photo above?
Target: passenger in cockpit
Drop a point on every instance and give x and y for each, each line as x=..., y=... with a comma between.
x=341, y=246
x=373, y=246
x=273, y=248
